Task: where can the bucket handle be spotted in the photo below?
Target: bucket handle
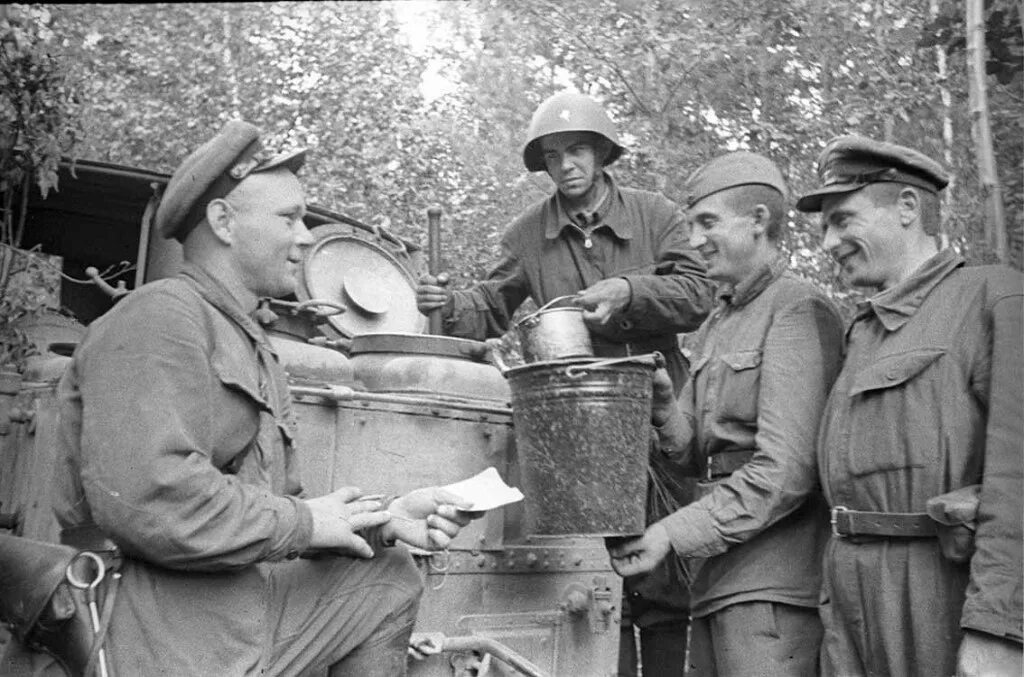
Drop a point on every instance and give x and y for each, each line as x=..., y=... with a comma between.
x=655, y=358
x=545, y=307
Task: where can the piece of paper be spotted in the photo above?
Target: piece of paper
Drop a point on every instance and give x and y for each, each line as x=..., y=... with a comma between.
x=486, y=490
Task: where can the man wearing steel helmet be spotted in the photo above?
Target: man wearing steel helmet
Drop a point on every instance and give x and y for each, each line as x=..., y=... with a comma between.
x=746, y=423
x=624, y=254
x=622, y=251
x=919, y=450
x=175, y=447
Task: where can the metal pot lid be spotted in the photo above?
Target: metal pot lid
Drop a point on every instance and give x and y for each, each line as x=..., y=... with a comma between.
x=419, y=344
x=350, y=268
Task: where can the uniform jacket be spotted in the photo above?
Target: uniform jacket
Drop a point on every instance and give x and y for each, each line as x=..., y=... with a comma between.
x=763, y=364
x=640, y=236
x=175, y=441
x=930, y=400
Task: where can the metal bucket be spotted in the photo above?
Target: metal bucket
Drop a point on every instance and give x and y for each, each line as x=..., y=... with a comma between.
x=554, y=333
x=582, y=431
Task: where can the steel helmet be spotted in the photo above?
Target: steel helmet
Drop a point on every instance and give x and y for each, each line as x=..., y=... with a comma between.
x=568, y=112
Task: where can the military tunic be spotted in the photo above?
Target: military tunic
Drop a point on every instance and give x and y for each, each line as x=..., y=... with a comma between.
x=176, y=442
x=638, y=235
x=764, y=362
x=929, y=400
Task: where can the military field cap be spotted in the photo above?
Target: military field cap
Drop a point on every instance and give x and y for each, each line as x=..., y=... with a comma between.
x=741, y=168
x=850, y=162
x=212, y=171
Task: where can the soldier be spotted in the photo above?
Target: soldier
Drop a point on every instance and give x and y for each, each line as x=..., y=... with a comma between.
x=623, y=252
x=176, y=445
x=746, y=423
x=920, y=444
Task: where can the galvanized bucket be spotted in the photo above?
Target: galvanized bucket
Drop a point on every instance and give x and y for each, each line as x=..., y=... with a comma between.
x=582, y=431
x=554, y=332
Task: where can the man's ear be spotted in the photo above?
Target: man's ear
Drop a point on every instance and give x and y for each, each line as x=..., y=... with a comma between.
x=909, y=205
x=220, y=216
x=760, y=217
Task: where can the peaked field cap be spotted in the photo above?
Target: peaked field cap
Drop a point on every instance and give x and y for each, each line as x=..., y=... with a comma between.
x=568, y=111
x=740, y=168
x=850, y=162
x=212, y=171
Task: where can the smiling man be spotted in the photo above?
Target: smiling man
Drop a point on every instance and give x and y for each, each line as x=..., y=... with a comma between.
x=175, y=449
x=623, y=253
x=920, y=445
x=746, y=424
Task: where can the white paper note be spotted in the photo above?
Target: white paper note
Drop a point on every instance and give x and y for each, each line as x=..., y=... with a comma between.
x=486, y=490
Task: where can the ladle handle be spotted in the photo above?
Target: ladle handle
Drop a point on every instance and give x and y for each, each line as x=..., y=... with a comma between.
x=434, y=261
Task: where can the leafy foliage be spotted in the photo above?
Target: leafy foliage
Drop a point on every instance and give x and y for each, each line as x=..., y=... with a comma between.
x=684, y=80
x=39, y=123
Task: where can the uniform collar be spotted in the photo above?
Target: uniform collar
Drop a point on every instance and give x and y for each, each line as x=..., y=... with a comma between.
x=217, y=295
x=750, y=287
x=895, y=306
x=609, y=213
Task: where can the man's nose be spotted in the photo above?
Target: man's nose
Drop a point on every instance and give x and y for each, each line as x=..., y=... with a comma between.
x=303, y=237
x=830, y=240
x=697, y=238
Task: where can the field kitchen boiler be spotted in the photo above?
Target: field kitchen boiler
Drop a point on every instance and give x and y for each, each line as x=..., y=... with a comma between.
x=380, y=404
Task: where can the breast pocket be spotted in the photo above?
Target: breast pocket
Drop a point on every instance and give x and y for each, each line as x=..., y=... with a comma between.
x=741, y=384
x=238, y=405
x=895, y=413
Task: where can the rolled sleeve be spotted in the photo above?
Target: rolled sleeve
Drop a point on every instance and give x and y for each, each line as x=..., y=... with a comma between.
x=801, y=358
x=147, y=466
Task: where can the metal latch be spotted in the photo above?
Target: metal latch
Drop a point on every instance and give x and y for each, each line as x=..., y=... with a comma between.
x=595, y=601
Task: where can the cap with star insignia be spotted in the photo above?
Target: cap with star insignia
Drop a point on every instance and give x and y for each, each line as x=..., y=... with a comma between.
x=567, y=112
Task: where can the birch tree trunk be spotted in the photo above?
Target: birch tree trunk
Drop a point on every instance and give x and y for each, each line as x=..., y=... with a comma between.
x=995, y=223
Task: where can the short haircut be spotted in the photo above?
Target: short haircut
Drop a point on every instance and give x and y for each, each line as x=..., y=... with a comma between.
x=743, y=200
x=886, y=194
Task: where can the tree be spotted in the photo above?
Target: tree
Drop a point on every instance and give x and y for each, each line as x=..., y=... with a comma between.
x=38, y=125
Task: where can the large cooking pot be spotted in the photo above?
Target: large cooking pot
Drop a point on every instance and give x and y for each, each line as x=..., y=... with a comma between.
x=555, y=331
x=425, y=364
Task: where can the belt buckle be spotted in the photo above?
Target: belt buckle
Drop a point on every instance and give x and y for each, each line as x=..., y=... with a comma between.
x=833, y=515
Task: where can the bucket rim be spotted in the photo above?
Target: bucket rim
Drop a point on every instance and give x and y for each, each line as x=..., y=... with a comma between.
x=642, y=361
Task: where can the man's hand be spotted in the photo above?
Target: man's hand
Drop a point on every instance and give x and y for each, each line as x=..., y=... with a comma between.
x=984, y=655
x=602, y=300
x=431, y=293
x=664, y=402
x=639, y=555
x=428, y=518
x=339, y=515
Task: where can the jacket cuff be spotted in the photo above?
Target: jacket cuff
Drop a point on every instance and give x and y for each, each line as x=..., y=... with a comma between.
x=302, y=533
x=692, y=533
x=991, y=623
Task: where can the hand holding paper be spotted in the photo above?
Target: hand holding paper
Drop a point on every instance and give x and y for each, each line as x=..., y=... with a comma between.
x=485, y=491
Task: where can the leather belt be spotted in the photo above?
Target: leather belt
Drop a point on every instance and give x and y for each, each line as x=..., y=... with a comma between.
x=846, y=522
x=89, y=537
x=726, y=463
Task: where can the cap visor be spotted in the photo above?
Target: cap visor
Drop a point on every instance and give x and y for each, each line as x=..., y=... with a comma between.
x=812, y=201
x=291, y=160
